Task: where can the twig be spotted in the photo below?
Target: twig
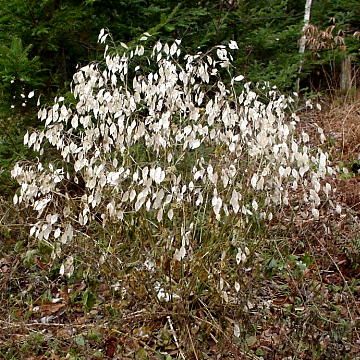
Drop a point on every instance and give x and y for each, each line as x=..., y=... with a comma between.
x=174, y=336
x=192, y=343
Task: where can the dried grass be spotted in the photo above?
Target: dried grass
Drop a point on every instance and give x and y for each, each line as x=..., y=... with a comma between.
x=340, y=121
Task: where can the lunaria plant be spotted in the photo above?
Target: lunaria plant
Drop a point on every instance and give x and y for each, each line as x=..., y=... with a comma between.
x=161, y=136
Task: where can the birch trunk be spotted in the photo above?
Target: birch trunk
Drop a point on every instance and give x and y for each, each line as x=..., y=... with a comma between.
x=303, y=38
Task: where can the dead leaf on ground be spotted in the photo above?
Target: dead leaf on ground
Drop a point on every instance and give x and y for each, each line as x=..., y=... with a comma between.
x=48, y=309
x=110, y=346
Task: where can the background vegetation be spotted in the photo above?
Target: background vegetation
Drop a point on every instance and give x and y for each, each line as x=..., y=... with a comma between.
x=295, y=301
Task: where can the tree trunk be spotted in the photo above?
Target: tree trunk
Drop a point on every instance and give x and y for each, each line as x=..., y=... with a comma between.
x=345, y=76
x=303, y=38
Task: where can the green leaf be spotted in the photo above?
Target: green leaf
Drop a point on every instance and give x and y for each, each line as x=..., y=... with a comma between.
x=272, y=264
x=30, y=257
x=141, y=354
x=79, y=340
x=169, y=28
x=251, y=340
x=89, y=300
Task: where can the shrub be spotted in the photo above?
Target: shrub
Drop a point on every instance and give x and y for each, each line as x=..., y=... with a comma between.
x=176, y=150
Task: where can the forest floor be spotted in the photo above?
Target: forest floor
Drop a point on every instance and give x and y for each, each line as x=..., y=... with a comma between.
x=299, y=297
